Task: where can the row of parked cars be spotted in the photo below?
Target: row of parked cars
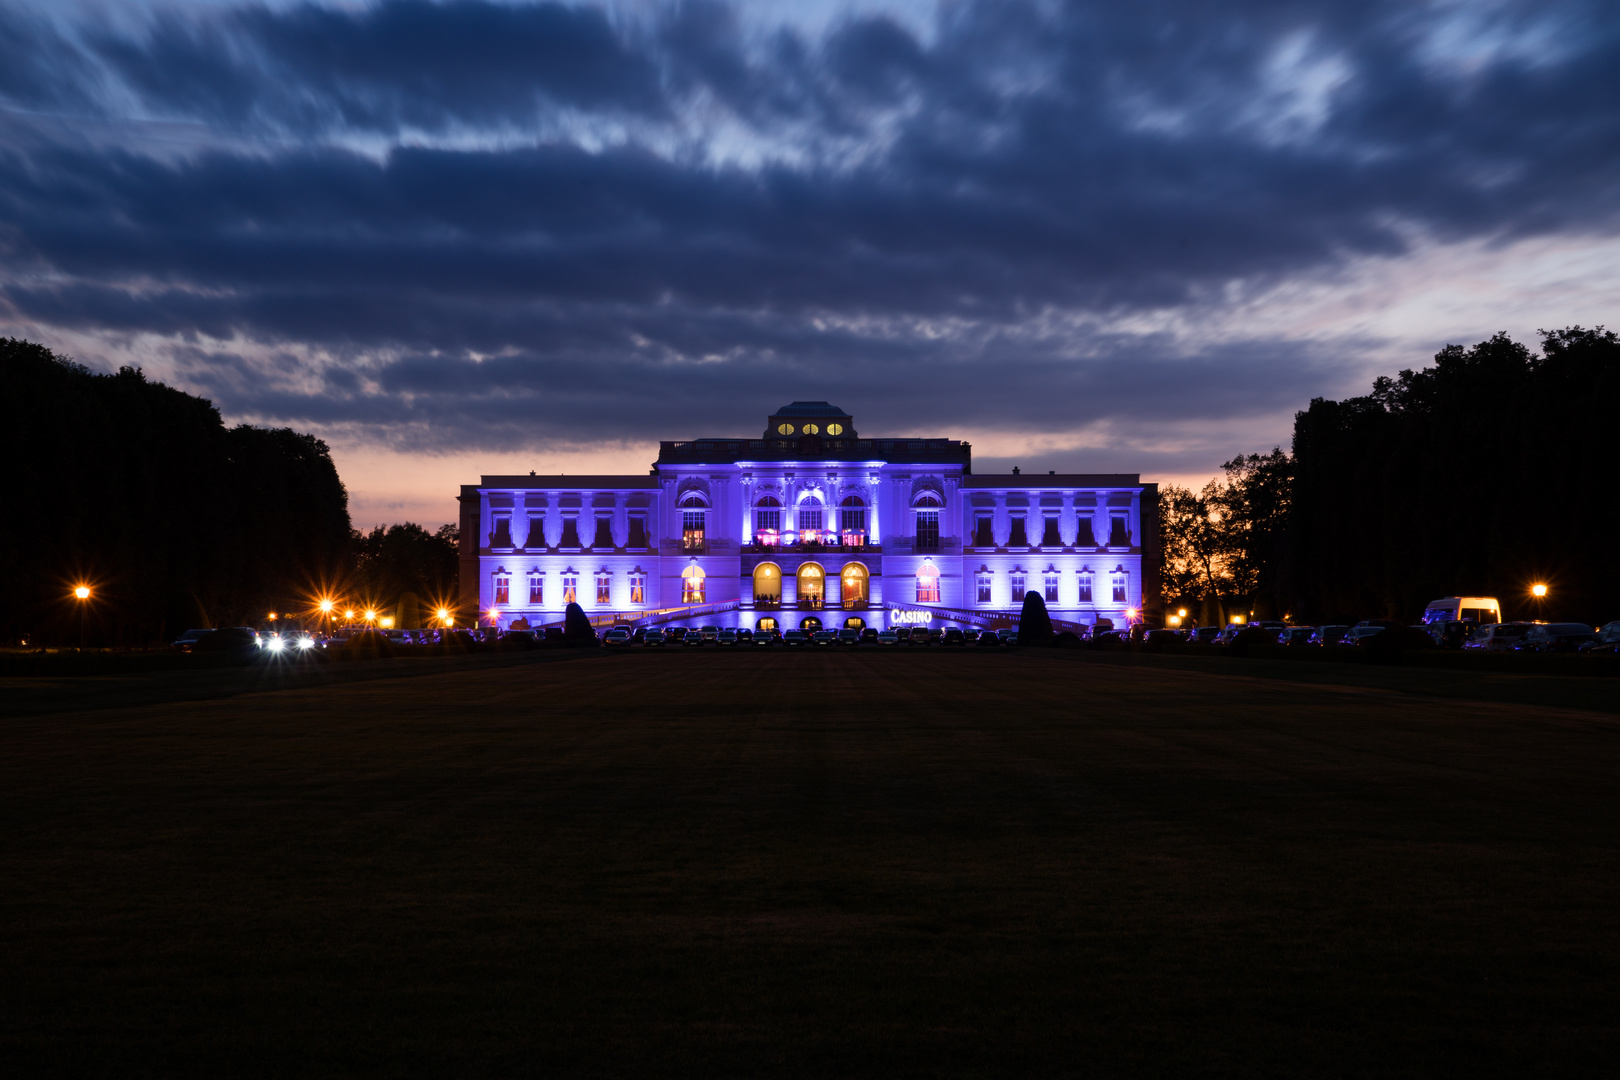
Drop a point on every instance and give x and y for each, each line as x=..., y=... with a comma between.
x=1487, y=637
x=662, y=637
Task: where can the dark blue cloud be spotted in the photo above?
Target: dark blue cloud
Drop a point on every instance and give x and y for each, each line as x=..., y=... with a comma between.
x=678, y=205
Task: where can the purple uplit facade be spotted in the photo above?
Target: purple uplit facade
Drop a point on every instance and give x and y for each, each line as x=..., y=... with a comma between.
x=809, y=524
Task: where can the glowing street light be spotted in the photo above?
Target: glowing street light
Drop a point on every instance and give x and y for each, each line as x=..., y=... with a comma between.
x=81, y=593
x=444, y=617
x=371, y=616
x=326, y=607
x=1538, y=591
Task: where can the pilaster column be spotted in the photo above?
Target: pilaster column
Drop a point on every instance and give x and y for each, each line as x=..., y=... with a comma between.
x=621, y=520
x=1001, y=526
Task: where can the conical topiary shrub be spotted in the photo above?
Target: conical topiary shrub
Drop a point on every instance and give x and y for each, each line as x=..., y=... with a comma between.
x=1034, y=624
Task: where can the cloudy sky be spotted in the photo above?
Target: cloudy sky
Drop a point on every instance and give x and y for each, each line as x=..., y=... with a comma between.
x=468, y=237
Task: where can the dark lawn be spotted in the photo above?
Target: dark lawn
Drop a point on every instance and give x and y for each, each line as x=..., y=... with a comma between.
x=812, y=864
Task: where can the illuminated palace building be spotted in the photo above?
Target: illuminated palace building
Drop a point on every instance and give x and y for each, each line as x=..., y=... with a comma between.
x=808, y=525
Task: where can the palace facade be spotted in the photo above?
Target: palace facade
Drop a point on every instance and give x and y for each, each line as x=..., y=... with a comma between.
x=809, y=524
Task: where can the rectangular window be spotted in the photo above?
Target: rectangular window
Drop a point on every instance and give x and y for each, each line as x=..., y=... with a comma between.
x=1020, y=582
x=570, y=589
x=503, y=591
x=501, y=535
x=852, y=527
x=604, y=589
x=537, y=589
x=983, y=531
x=1084, y=533
x=536, y=536
x=928, y=530
x=1017, y=537
x=1119, y=532
x=1049, y=534
x=570, y=536
x=1119, y=589
x=1085, y=588
x=638, y=588
x=1051, y=584
x=983, y=582
x=692, y=531
x=767, y=526
x=809, y=522
x=604, y=531
x=638, y=531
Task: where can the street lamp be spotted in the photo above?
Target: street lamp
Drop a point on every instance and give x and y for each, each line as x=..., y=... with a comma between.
x=444, y=617
x=1538, y=591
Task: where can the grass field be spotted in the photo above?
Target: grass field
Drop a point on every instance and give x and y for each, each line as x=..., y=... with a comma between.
x=784, y=863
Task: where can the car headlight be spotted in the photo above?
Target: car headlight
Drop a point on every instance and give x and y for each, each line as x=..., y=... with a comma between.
x=274, y=644
x=306, y=643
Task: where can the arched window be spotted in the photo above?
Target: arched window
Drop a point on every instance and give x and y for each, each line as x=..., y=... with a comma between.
x=692, y=584
x=767, y=585
x=852, y=584
x=810, y=520
x=852, y=522
x=928, y=584
x=693, y=522
x=927, y=506
x=768, y=521
x=812, y=585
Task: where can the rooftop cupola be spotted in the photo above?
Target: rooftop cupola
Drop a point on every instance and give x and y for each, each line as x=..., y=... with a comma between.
x=810, y=418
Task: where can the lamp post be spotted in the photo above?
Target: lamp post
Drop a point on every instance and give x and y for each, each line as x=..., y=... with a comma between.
x=1538, y=592
x=82, y=595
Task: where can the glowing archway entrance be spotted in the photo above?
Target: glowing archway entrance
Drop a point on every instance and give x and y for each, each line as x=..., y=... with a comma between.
x=809, y=624
x=767, y=585
x=765, y=624
x=692, y=584
x=852, y=582
x=854, y=622
x=812, y=585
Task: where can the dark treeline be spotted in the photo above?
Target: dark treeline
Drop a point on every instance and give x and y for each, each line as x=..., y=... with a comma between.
x=1481, y=475
x=142, y=492
x=407, y=571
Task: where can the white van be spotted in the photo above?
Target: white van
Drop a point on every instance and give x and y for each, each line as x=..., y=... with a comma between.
x=1479, y=609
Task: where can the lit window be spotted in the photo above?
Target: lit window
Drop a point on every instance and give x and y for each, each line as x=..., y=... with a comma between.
x=982, y=580
x=1051, y=584
x=1085, y=586
x=604, y=589
x=692, y=589
x=928, y=584
x=1018, y=581
x=835, y=429
x=638, y=588
x=570, y=588
x=503, y=590
x=767, y=521
x=852, y=522
x=1118, y=581
x=692, y=530
x=810, y=520
x=537, y=589
x=810, y=429
x=784, y=429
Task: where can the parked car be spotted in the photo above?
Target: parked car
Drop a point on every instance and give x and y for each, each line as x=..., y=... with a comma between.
x=888, y=637
x=726, y=636
x=1333, y=634
x=767, y=637
x=188, y=640
x=745, y=636
x=1608, y=640
x=1358, y=635
x=653, y=636
x=988, y=639
x=709, y=634
x=1296, y=635
x=230, y=639
x=849, y=635
x=1556, y=637
x=1163, y=637
x=970, y=635
x=1497, y=637
x=1204, y=635
x=824, y=637
x=618, y=635
x=1452, y=635
x=953, y=636
x=869, y=636
x=795, y=637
